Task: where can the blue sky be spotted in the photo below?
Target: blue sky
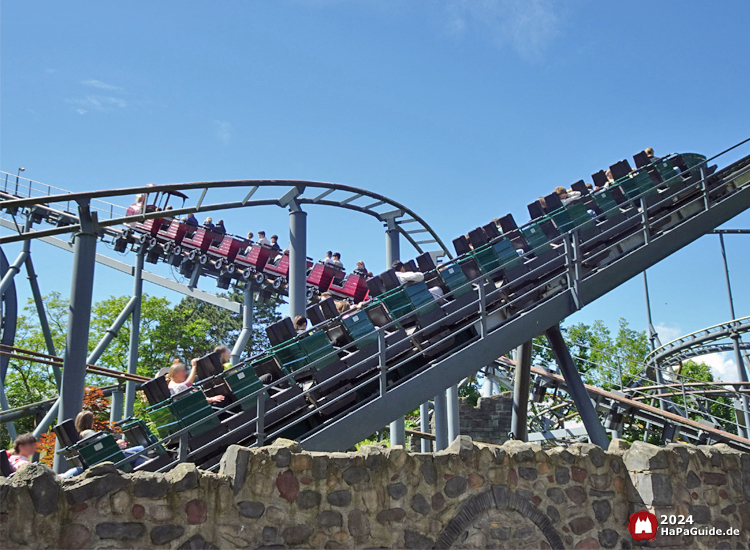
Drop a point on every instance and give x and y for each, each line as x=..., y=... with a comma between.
x=463, y=110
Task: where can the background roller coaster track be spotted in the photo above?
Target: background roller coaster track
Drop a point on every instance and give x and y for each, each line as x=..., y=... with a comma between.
x=700, y=338
x=45, y=359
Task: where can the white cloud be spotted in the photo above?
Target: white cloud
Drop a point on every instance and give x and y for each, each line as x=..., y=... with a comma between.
x=668, y=333
x=101, y=85
x=722, y=365
x=528, y=26
x=223, y=130
x=97, y=103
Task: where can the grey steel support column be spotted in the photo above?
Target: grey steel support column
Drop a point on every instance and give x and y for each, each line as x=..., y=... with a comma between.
x=247, y=323
x=77, y=336
x=454, y=426
x=424, y=426
x=42, y=314
x=441, y=422
x=48, y=420
x=93, y=357
x=653, y=342
x=297, y=260
x=741, y=370
x=13, y=269
x=392, y=243
x=115, y=405
x=576, y=389
x=487, y=384
x=518, y=422
x=393, y=253
x=135, y=332
x=10, y=426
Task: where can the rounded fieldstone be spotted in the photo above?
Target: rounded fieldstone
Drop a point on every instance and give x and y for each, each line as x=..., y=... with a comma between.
x=43, y=487
x=578, y=474
x=556, y=495
x=375, y=462
x=714, y=478
x=576, y=494
x=500, y=533
x=252, y=510
x=183, y=477
x=438, y=501
x=392, y=515
x=529, y=474
x=729, y=510
x=562, y=475
x=701, y=514
x=524, y=532
x=525, y=494
x=162, y=534
x=81, y=488
x=297, y=534
x=608, y=538
x=148, y=485
x=196, y=511
x=287, y=485
x=137, y=511
x=692, y=481
x=75, y=536
x=356, y=474
x=269, y=534
x=340, y=498
x=120, y=531
x=308, y=499
x=330, y=518
x=396, y=490
x=456, y=486
x=581, y=525
x=553, y=514
x=414, y=540
x=597, y=457
x=359, y=525
x=614, y=465
x=282, y=457
x=420, y=505
x=196, y=542
x=429, y=472
x=602, y=510
x=475, y=480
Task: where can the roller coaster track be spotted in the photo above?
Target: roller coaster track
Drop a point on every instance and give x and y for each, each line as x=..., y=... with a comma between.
x=489, y=323
x=109, y=215
x=699, y=342
x=502, y=330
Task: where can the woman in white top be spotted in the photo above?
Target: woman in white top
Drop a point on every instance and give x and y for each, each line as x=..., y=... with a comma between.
x=179, y=380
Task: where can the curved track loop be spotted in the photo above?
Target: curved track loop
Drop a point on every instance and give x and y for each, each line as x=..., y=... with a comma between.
x=386, y=210
x=699, y=338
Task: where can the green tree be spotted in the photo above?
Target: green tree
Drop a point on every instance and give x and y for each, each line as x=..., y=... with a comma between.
x=190, y=329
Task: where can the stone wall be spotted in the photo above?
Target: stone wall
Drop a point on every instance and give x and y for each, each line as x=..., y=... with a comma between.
x=470, y=496
x=488, y=422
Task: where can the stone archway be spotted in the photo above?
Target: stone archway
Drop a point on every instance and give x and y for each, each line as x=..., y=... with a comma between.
x=497, y=498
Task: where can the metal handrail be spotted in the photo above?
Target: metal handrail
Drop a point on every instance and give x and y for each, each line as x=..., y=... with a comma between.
x=568, y=240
